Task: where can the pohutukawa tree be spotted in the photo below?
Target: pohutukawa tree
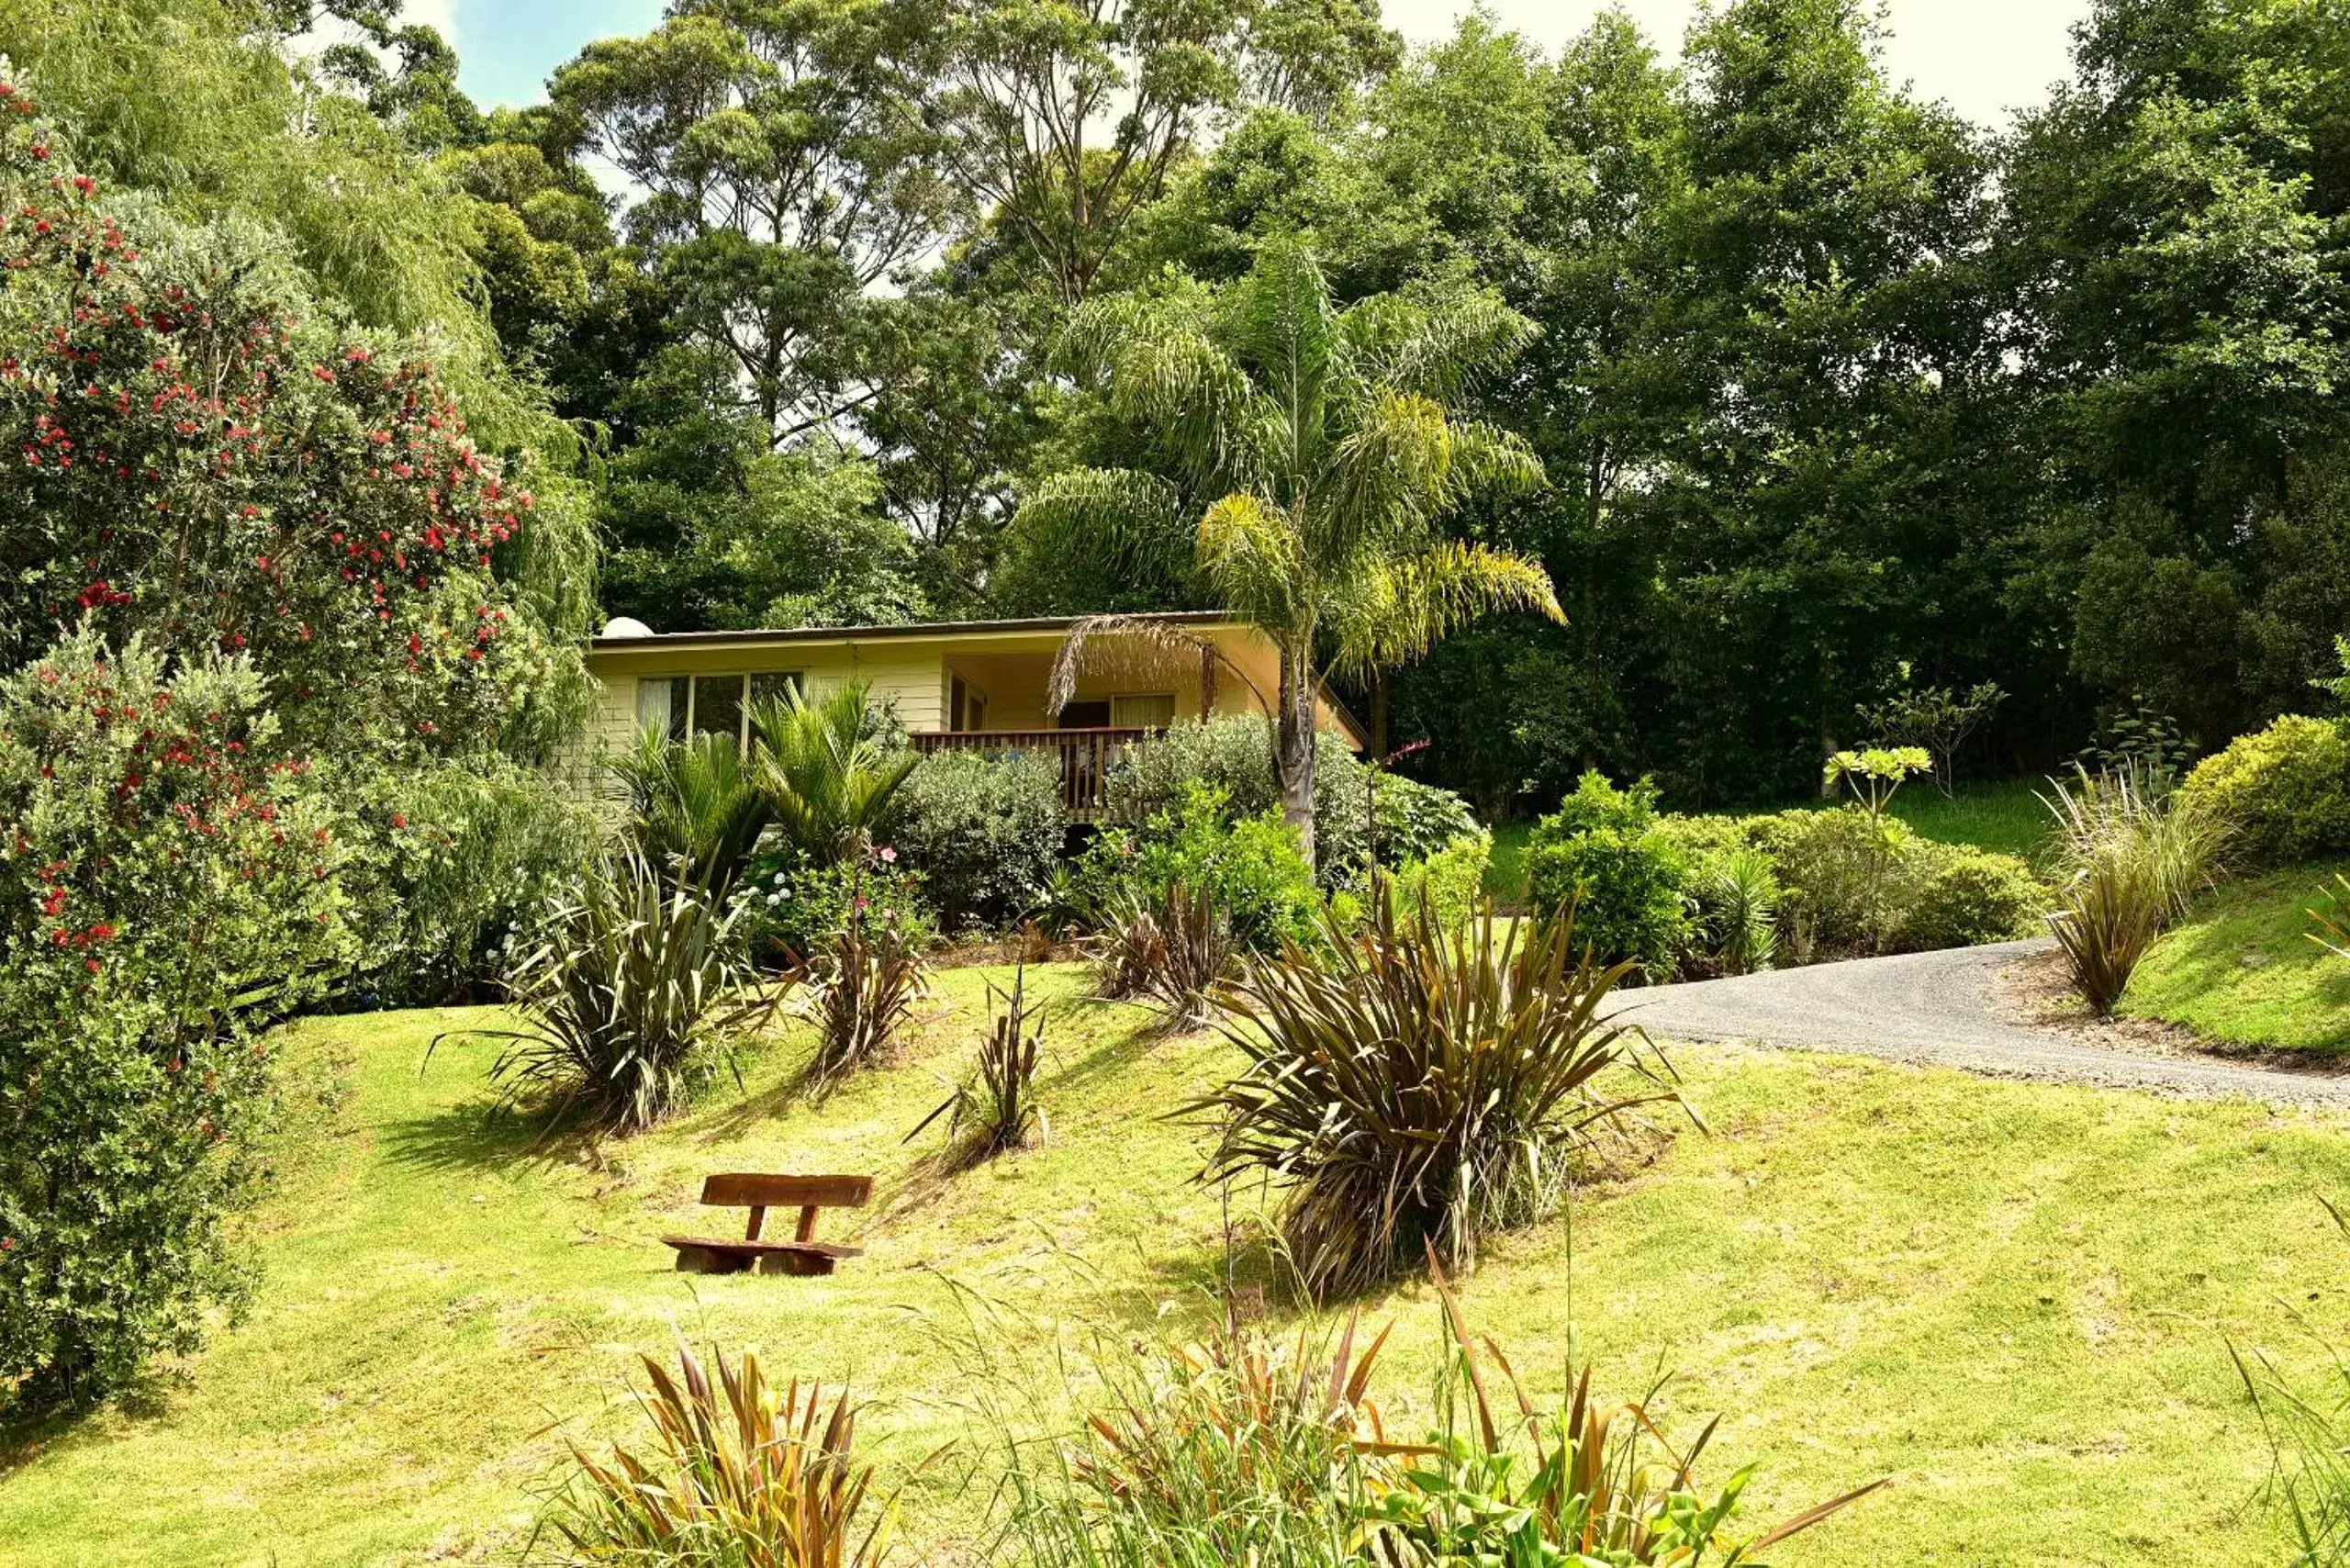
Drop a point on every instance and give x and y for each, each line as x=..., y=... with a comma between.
x=1319, y=449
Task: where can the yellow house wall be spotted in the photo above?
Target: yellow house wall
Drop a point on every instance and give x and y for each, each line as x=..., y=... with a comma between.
x=1010, y=668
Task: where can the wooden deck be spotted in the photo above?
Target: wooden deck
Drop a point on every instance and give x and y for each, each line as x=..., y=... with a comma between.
x=1086, y=757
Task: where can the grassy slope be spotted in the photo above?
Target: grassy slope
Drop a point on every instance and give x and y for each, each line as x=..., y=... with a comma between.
x=2009, y=1298
x=2242, y=969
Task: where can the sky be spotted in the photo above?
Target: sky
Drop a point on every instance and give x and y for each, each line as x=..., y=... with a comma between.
x=1986, y=57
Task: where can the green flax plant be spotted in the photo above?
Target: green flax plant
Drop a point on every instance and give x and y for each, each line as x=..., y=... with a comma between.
x=1419, y=1084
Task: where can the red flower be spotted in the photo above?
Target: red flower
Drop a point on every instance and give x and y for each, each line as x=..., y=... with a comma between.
x=400, y=819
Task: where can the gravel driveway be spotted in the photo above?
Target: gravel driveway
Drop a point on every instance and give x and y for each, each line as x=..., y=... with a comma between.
x=1941, y=1008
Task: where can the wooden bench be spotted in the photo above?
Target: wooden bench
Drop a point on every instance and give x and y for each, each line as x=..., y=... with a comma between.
x=803, y=1254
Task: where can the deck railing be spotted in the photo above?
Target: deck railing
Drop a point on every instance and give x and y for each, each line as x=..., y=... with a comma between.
x=1086, y=757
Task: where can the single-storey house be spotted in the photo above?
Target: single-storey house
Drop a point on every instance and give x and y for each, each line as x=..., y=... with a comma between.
x=962, y=685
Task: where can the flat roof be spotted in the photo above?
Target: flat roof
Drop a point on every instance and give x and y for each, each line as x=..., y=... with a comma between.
x=911, y=629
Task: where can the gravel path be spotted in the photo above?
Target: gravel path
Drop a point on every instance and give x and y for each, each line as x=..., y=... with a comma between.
x=1941, y=1008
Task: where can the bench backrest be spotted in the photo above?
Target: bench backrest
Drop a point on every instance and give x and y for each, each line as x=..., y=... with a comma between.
x=737, y=1190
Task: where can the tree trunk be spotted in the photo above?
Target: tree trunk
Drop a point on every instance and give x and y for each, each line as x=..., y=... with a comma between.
x=1294, y=748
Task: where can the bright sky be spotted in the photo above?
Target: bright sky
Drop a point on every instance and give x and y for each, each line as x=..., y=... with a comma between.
x=1986, y=57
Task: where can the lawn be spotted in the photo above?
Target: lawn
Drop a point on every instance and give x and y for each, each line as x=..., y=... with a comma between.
x=2014, y=1300
x=2241, y=970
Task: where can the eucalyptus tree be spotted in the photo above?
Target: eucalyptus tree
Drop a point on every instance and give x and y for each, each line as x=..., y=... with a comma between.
x=1066, y=118
x=786, y=170
x=1319, y=450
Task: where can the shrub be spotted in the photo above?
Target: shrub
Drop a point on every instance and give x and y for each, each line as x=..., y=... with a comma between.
x=986, y=833
x=1173, y=950
x=1954, y=897
x=1601, y=852
x=1415, y=821
x=2282, y=792
x=466, y=866
x=866, y=984
x=1452, y=879
x=694, y=810
x=1252, y=868
x=1418, y=1087
x=635, y=981
x=995, y=1108
x=1834, y=865
x=2130, y=861
x=829, y=770
x=1235, y=754
x=742, y=1473
x=793, y=907
x=166, y=894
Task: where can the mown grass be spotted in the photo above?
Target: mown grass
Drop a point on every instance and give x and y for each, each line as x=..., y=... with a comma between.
x=2011, y=1299
x=2241, y=970
x=2004, y=816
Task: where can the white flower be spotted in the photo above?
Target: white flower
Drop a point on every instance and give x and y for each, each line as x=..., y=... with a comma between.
x=774, y=899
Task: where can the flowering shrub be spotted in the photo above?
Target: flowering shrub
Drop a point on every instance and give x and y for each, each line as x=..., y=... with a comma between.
x=193, y=454
x=793, y=906
x=162, y=888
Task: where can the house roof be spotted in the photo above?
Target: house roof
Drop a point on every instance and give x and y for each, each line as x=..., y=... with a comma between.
x=873, y=634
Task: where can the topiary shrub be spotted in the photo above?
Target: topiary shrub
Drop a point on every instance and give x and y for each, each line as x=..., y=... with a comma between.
x=984, y=831
x=1603, y=852
x=1949, y=896
x=2283, y=792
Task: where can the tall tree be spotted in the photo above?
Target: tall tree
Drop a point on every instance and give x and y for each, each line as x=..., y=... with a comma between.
x=1319, y=443
x=786, y=171
x=2176, y=226
x=1066, y=118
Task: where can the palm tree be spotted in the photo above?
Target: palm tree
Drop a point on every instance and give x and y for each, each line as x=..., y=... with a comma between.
x=828, y=781
x=694, y=810
x=1320, y=443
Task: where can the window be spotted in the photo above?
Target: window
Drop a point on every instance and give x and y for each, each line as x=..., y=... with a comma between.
x=1153, y=711
x=959, y=703
x=710, y=704
x=660, y=702
x=718, y=705
x=774, y=686
x=1093, y=715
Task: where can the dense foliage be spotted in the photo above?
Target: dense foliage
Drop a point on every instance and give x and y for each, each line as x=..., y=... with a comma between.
x=987, y=832
x=1419, y=1087
x=169, y=886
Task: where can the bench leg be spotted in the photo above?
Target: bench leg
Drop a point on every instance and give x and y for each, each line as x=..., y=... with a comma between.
x=703, y=1260
x=803, y=1263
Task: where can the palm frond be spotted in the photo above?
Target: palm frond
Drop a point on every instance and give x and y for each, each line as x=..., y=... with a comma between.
x=829, y=782
x=1490, y=460
x=1392, y=613
x=1390, y=476
x=1118, y=512
x=1464, y=338
x=1255, y=557
x=1279, y=320
x=1146, y=648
